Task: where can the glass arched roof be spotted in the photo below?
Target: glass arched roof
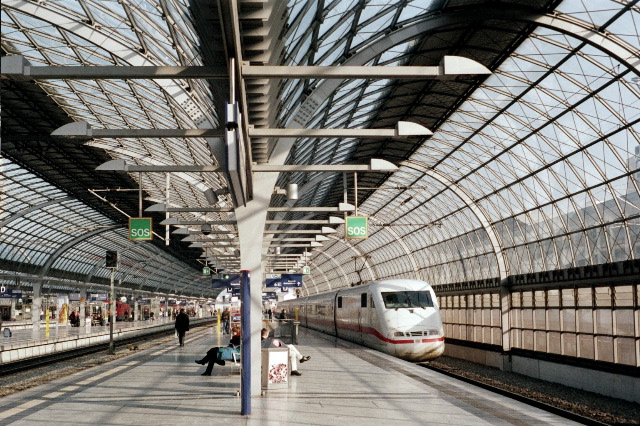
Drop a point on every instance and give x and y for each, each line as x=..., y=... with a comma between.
x=48, y=236
x=537, y=168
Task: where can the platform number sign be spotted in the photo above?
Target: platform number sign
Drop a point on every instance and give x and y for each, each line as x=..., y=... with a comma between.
x=357, y=227
x=306, y=270
x=206, y=271
x=140, y=228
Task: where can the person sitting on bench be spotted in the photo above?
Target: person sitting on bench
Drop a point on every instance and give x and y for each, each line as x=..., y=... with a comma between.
x=294, y=355
x=218, y=355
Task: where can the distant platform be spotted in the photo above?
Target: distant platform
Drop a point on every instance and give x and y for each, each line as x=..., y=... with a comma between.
x=29, y=342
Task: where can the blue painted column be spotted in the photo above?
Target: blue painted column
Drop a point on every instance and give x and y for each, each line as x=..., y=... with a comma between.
x=245, y=297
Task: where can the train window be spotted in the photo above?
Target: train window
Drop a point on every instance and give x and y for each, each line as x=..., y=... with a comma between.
x=407, y=299
x=363, y=300
x=340, y=302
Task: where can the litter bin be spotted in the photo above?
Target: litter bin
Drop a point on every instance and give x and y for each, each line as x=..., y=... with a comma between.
x=276, y=369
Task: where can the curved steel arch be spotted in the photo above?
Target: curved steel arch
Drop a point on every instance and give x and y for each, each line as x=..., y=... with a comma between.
x=358, y=253
x=612, y=46
x=335, y=262
x=407, y=251
x=35, y=207
x=93, y=34
x=607, y=43
x=54, y=256
x=475, y=209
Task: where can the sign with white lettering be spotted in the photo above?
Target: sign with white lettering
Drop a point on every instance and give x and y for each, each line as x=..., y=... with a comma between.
x=357, y=227
x=283, y=280
x=140, y=229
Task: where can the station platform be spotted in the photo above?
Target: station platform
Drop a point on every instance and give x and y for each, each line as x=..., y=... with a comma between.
x=341, y=384
x=26, y=343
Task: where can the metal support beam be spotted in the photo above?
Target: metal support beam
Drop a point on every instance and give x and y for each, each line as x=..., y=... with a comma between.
x=164, y=208
x=342, y=207
x=403, y=129
x=121, y=166
x=83, y=130
x=375, y=165
x=177, y=222
x=17, y=67
x=333, y=220
x=450, y=66
x=324, y=230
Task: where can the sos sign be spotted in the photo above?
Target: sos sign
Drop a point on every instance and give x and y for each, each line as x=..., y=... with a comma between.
x=140, y=228
x=357, y=227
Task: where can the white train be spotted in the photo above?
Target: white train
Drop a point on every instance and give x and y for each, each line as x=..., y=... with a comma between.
x=399, y=317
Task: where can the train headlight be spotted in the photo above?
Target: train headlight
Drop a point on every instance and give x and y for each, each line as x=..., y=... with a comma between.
x=398, y=334
x=433, y=332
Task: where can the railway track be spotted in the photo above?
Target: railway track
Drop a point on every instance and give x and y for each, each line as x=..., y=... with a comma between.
x=44, y=360
x=515, y=394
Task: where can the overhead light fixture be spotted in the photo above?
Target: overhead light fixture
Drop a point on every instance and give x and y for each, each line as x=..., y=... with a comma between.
x=292, y=191
x=211, y=196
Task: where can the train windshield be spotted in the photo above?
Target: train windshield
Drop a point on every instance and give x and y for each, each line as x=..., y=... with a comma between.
x=407, y=299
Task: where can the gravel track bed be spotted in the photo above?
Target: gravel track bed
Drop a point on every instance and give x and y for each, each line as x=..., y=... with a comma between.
x=587, y=404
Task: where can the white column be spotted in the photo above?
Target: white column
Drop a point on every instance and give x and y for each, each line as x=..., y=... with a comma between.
x=83, y=297
x=36, y=306
x=251, y=221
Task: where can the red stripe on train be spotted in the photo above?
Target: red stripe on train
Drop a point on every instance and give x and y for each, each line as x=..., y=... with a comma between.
x=372, y=331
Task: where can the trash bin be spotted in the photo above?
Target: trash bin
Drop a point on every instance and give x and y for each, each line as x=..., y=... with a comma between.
x=276, y=369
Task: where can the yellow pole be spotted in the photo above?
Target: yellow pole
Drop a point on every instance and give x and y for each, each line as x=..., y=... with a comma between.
x=296, y=314
x=218, y=325
x=46, y=322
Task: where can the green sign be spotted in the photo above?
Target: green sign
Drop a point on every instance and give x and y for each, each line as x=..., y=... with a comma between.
x=206, y=271
x=140, y=229
x=357, y=227
x=306, y=270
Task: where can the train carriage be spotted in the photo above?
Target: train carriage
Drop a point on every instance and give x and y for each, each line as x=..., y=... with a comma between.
x=398, y=317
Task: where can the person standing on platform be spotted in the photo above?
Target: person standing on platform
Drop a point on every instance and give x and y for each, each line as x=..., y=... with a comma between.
x=226, y=316
x=283, y=315
x=270, y=314
x=182, y=326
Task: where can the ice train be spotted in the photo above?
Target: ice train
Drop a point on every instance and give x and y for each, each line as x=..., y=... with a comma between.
x=397, y=316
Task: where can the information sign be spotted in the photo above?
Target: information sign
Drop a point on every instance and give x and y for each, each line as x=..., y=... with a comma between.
x=283, y=280
x=232, y=280
x=206, y=271
x=357, y=227
x=306, y=270
x=10, y=294
x=99, y=297
x=140, y=229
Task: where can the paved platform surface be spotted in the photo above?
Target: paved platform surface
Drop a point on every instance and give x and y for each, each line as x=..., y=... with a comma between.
x=342, y=384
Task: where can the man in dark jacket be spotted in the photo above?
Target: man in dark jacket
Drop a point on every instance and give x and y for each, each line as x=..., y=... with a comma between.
x=182, y=326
